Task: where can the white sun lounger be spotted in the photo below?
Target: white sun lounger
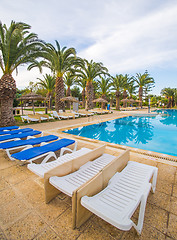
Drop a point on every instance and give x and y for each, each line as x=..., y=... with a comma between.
x=47, y=151
x=125, y=191
x=67, y=184
x=41, y=169
x=29, y=119
x=55, y=115
x=25, y=144
x=9, y=128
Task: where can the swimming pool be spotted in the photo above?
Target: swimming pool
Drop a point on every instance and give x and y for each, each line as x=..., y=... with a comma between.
x=157, y=133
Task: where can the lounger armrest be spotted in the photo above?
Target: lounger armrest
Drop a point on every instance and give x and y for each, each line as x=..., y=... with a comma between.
x=65, y=149
x=30, y=137
x=49, y=155
x=68, y=149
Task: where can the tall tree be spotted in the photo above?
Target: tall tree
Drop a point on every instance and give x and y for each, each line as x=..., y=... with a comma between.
x=59, y=60
x=48, y=83
x=131, y=89
x=104, y=86
x=69, y=80
x=169, y=93
x=89, y=71
x=143, y=81
x=17, y=47
x=126, y=81
x=82, y=83
x=117, y=85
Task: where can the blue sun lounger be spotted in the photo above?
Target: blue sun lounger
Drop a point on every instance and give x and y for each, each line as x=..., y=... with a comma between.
x=9, y=128
x=46, y=151
x=26, y=144
x=14, y=137
x=16, y=131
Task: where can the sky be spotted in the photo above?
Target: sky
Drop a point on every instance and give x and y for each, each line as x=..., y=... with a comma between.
x=128, y=36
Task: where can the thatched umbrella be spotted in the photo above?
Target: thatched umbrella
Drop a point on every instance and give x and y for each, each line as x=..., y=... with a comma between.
x=31, y=97
x=125, y=100
x=131, y=100
x=69, y=99
x=100, y=100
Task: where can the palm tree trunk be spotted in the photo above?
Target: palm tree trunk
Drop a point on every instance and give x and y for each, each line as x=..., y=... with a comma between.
x=68, y=93
x=7, y=93
x=89, y=95
x=83, y=98
x=117, y=100
x=59, y=93
x=124, y=97
x=111, y=102
x=140, y=96
x=6, y=112
x=103, y=104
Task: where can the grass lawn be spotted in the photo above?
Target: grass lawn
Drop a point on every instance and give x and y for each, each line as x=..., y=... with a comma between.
x=19, y=122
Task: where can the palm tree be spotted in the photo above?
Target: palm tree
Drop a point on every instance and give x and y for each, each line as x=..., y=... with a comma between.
x=89, y=71
x=117, y=85
x=143, y=80
x=48, y=83
x=104, y=86
x=59, y=60
x=17, y=47
x=126, y=82
x=131, y=89
x=82, y=83
x=69, y=81
x=169, y=93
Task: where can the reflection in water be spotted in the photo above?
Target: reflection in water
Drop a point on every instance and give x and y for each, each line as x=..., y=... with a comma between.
x=149, y=133
x=120, y=131
x=171, y=119
x=139, y=130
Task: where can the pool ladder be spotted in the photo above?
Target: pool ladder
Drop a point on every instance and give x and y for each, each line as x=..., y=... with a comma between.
x=97, y=117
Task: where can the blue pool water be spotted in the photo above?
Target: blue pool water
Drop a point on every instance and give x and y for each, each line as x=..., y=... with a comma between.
x=158, y=134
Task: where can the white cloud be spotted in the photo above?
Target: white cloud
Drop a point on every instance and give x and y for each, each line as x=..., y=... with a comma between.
x=146, y=42
x=24, y=76
x=124, y=35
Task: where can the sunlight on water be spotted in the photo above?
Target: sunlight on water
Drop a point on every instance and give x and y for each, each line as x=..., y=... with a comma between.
x=158, y=134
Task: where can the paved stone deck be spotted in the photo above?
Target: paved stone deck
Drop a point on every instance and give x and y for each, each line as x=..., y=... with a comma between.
x=24, y=214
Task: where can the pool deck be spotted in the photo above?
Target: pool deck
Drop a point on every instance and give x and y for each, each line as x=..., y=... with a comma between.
x=24, y=214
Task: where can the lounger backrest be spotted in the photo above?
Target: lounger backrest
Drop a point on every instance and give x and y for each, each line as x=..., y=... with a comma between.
x=75, y=164
x=68, y=168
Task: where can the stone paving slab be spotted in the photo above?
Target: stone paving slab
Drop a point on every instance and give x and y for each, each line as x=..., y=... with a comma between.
x=24, y=214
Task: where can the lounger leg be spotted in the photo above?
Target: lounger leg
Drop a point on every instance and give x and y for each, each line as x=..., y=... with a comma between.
x=9, y=155
x=139, y=226
x=154, y=180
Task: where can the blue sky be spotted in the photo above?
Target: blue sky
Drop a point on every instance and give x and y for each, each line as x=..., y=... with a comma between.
x=128, y=36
